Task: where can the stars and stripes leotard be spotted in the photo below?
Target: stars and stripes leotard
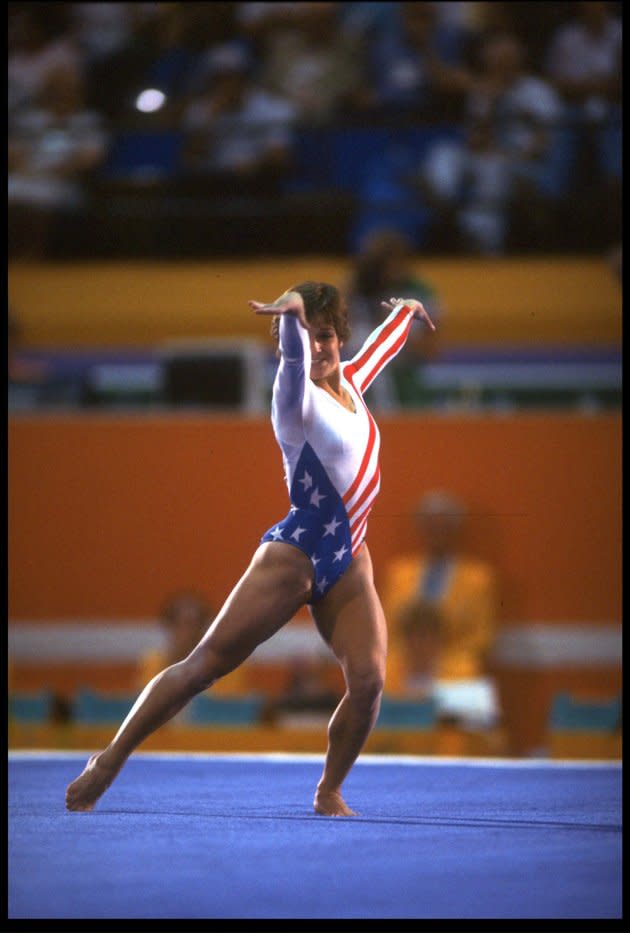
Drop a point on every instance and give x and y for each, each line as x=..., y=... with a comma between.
x=330, y=453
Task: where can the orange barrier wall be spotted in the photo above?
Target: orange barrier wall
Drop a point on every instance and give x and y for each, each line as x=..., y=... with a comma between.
x=109, y=513
x=563, y=301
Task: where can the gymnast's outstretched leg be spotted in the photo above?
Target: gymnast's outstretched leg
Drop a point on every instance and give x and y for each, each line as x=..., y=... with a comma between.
x=351, y=620
x=276, y=584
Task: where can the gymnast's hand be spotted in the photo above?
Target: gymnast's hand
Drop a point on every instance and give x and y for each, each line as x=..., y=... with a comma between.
x=419, y=311
x=289, y=303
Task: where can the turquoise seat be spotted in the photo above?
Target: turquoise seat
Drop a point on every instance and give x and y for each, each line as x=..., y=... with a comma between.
x=571, y=715
x=224, y=711
x=30, y=707
x=407, y=714
x=91, y=707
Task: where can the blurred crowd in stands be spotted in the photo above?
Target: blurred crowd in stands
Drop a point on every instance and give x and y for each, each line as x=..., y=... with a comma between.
x=469, y=127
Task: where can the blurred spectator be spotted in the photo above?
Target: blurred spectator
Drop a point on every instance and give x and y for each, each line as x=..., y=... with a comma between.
x=584, y=62
x=584, y=65
x=467, y=186
x=461, y=17
x=185, y=618
x=312, y=63
x=514, y=120
x=53, y=150
x=400, y=79
x=531, y=23
x=382, y=270
x=41, y=52
x=363, y=20
x=494, y=186
x=101, y=29
x=526, y=114
x=238, y=136
x=523, y=106
x=258, y=21
x=440, y=603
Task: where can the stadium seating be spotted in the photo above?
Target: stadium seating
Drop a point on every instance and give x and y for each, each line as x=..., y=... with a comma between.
x=30, y=707
x=580, y=728
x=92, y=707
x=228, y=711
x=407, y=714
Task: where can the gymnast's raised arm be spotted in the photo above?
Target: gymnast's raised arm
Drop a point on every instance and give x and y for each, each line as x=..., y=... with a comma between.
x=292, y=376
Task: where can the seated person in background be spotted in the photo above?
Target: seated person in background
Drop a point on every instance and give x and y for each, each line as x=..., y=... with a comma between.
x=584, y=66
x=513, y=116
x=41, y=52
x=467, y=185
x=400, y=80
x=185, y=618
x=238, y=136
x=440, y=608
x=312, y=62
x=53, y=151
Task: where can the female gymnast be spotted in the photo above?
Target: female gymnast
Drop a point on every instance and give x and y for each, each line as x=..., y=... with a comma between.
x=316, y=555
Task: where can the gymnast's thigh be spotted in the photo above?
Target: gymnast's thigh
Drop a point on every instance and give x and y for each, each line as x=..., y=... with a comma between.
x=351, y=620
x=274, y=587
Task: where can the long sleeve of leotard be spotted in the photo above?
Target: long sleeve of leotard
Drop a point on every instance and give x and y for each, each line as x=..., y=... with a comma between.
x=289, y=388
x=380, y=347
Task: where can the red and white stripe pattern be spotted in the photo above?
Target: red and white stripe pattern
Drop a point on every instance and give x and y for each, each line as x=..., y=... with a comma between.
x=380, y=348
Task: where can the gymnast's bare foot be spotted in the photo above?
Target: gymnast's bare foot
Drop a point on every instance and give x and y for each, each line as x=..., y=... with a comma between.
x=331, y=803
x=93, y=781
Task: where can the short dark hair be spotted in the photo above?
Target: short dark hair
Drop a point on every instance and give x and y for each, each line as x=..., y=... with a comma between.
x=320, y=300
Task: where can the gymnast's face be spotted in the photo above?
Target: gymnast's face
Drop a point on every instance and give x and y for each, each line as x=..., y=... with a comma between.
x=325, y=349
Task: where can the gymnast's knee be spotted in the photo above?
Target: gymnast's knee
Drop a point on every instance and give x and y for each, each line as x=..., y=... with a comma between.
x=202, y=669
x=365, y=688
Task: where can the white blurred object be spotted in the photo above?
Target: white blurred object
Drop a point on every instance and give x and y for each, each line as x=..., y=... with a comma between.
x=150, y=100
x=473, y=702
x=443, y=167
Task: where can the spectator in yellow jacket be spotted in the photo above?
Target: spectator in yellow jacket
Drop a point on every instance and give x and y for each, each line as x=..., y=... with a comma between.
x=439, y=604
